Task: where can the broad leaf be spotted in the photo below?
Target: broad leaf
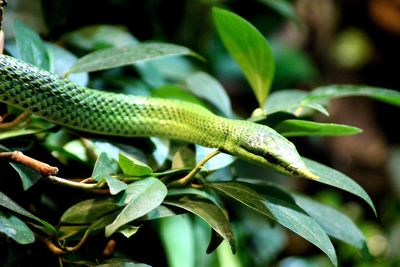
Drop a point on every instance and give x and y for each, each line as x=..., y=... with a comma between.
x=115, y=185
x=175, y=92
x=335, y=223
x=36, y=126
x=250, y=50
x=291, y=101
x=28, y=175
x=161, y=151
x=88, y=211
x=62, y=60
x=133, y=167
x=283, y=212
x=324, y=93
x=290, y=128
x=102, y=168
x=207, y=87
x=15, y=228
x=8, y=203
x=337, y=179
x=140, y=198
x=116, y=57
x=210, y=213
x=30, y=46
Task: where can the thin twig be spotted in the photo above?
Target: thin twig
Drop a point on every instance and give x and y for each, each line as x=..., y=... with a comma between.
x=50, y=245
x=41, y=167
x=15, y=122
x=188, y=178
x=72, y=184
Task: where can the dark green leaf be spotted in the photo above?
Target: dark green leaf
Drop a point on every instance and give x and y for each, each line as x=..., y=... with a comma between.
x=117, y=57
x=8, y=203
x=15, y=228
x=249, y=49
x=28, y=175
x=335, y=223
x=308, y=128
x=30, y=47
x=133, y=167
x=102, y=168
x=88, y=211
x=337, y=179
x=157, y=213
x=115, y=185
x=283, y=212
x=140, y=198
x=333, y=91
x=207, y=87
x=210, y=213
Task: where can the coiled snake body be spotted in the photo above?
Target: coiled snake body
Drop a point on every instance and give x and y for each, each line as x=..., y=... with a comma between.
x=66, y=103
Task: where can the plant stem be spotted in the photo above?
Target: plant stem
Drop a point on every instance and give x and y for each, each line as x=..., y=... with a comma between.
x=188, y=178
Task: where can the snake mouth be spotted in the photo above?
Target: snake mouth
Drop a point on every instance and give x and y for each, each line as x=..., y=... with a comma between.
x=281, y=164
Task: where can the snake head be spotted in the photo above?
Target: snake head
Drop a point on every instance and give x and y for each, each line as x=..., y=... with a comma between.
x=264, y=146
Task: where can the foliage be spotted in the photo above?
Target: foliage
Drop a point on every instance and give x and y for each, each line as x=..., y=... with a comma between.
x=142, y=180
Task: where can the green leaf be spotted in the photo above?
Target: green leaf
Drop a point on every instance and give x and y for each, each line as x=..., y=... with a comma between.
x=88, y=211
x=290, y=128
x=291, y=101
x=8, y=203
x=250, y=50
x=183, y=157
x=210, y=213
x=28, y=175
x=117, y=57
x=133, y=167
x=128, y=230
x=335, y=223
x=161, y=152
x=140, y=198
x=115, y=185
x=96, y=37
x=281, y=211
x=175, y=92
x=337, y=179
x=333, y=91
x=15, y=228
x=207, y=87
x=36, y=126
x=30, y=46
x=102, y=168
x=177, y=235
x=63, y=59
x=157, y=213
x=226, y=257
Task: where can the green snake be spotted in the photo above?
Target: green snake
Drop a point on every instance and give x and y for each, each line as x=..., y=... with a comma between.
x=65, y=103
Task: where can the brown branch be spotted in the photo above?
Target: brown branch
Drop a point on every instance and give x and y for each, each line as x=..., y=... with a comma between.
x=15, y=122
x=41, y=167
x=50, y=245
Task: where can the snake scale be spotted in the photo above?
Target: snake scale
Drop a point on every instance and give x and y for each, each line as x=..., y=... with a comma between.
x=65, y=103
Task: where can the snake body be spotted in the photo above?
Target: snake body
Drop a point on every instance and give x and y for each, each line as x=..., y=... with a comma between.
x=65, y=103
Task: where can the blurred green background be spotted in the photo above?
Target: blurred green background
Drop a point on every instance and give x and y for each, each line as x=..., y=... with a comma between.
x=314, y=42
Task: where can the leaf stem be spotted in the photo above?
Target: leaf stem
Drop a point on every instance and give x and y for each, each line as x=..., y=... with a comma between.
x=188, y=178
